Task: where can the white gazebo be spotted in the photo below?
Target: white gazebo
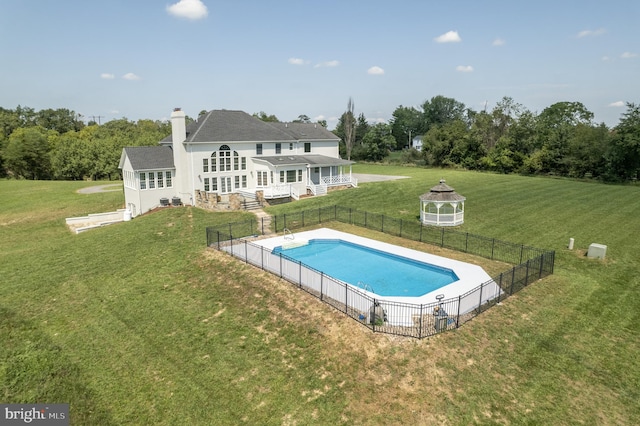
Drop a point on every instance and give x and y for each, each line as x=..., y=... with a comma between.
x=442, y=206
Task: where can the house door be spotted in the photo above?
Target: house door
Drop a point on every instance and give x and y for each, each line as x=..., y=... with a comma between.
x=225, y=185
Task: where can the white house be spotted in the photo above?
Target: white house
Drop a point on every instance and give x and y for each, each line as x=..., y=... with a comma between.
x=416, y=142
x=227, y=158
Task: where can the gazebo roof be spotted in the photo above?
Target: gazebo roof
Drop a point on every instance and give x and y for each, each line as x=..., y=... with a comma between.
x=442, y=193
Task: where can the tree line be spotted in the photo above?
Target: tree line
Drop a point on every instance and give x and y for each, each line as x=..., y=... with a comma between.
x=57, y=144
x=562, y=140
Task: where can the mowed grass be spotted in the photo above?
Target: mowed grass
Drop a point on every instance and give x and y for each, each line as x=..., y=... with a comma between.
x=138, y=323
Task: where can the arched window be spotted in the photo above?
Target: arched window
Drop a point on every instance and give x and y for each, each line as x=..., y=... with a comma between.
x=225, y=158
x=213, y=162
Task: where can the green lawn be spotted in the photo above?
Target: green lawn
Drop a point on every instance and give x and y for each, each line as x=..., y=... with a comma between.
x=138, y=323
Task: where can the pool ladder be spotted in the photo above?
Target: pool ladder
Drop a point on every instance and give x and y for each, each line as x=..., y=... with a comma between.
x=290, y=236
x=365, y=286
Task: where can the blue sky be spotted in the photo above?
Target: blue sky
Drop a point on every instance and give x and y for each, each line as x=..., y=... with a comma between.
x=141, y=58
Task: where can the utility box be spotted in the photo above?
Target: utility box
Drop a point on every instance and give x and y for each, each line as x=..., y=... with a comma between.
x=597, y=251
x=441, y=319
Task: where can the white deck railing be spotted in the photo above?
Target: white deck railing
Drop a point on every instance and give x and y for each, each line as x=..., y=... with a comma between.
x=318, y=189
x=277, y=191
x=339, y=180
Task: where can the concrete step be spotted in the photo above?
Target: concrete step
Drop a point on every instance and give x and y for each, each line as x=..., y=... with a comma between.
x=251, y=205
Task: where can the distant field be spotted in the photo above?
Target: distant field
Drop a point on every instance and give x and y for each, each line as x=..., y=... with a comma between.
x=139, y=323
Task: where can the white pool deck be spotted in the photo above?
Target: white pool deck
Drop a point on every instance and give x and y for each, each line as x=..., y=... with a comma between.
x=470, y=276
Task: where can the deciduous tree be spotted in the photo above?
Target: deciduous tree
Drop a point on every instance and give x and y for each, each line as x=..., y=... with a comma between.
x=349, y=124
x=26, y=155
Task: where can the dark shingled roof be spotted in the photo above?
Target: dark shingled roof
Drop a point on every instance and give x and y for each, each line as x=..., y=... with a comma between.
x=150, y=157
x=305, y=131
x=311, y=159
x=442, y=192
x=238, y=126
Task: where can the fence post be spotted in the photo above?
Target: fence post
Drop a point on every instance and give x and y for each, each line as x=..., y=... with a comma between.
x=382, y=224
x=493, y=244
x=521, y=253
x=421, y=226
x=442, y=237
x=365, y=219
x=466, y=243
x=285, y=220
x=373, y=317
x=319, y=216
x=280, y=264
x=400, y=228
x=262, y=257
x=458, y=315
x=321, y=281
x=300, y=273
x=350, y=219
x=513, y=278
x=303, y=218
x=420, y=327
x=346, y=299
x=541, y=264
x=526, y=276
x=480, y=301
x=246, y=252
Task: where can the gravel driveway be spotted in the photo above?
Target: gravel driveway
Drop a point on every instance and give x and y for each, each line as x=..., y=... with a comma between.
x=364, y=178
x=100, y=188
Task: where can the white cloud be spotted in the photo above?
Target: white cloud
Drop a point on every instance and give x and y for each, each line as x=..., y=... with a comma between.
x=617, y=104
x=628, y=55
x=188, y=9
x=464, y=68
x=375, y=70
x=130, y=76
x=448, y=37
x=498, y=42
x=319, y=117
x=297, y=61
x=107, y=76
x=591, y=33
x=327, y=64
x=605, y=58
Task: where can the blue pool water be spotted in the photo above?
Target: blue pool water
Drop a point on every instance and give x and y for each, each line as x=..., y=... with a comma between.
x=383, y=273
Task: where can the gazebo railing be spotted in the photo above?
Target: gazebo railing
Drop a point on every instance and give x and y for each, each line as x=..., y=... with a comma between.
x=435, y=219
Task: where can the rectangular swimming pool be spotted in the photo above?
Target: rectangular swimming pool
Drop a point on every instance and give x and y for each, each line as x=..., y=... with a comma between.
x=402, y=307
x=383, y=273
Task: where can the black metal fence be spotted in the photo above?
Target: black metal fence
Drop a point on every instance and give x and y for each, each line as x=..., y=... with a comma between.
x=406, y=319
